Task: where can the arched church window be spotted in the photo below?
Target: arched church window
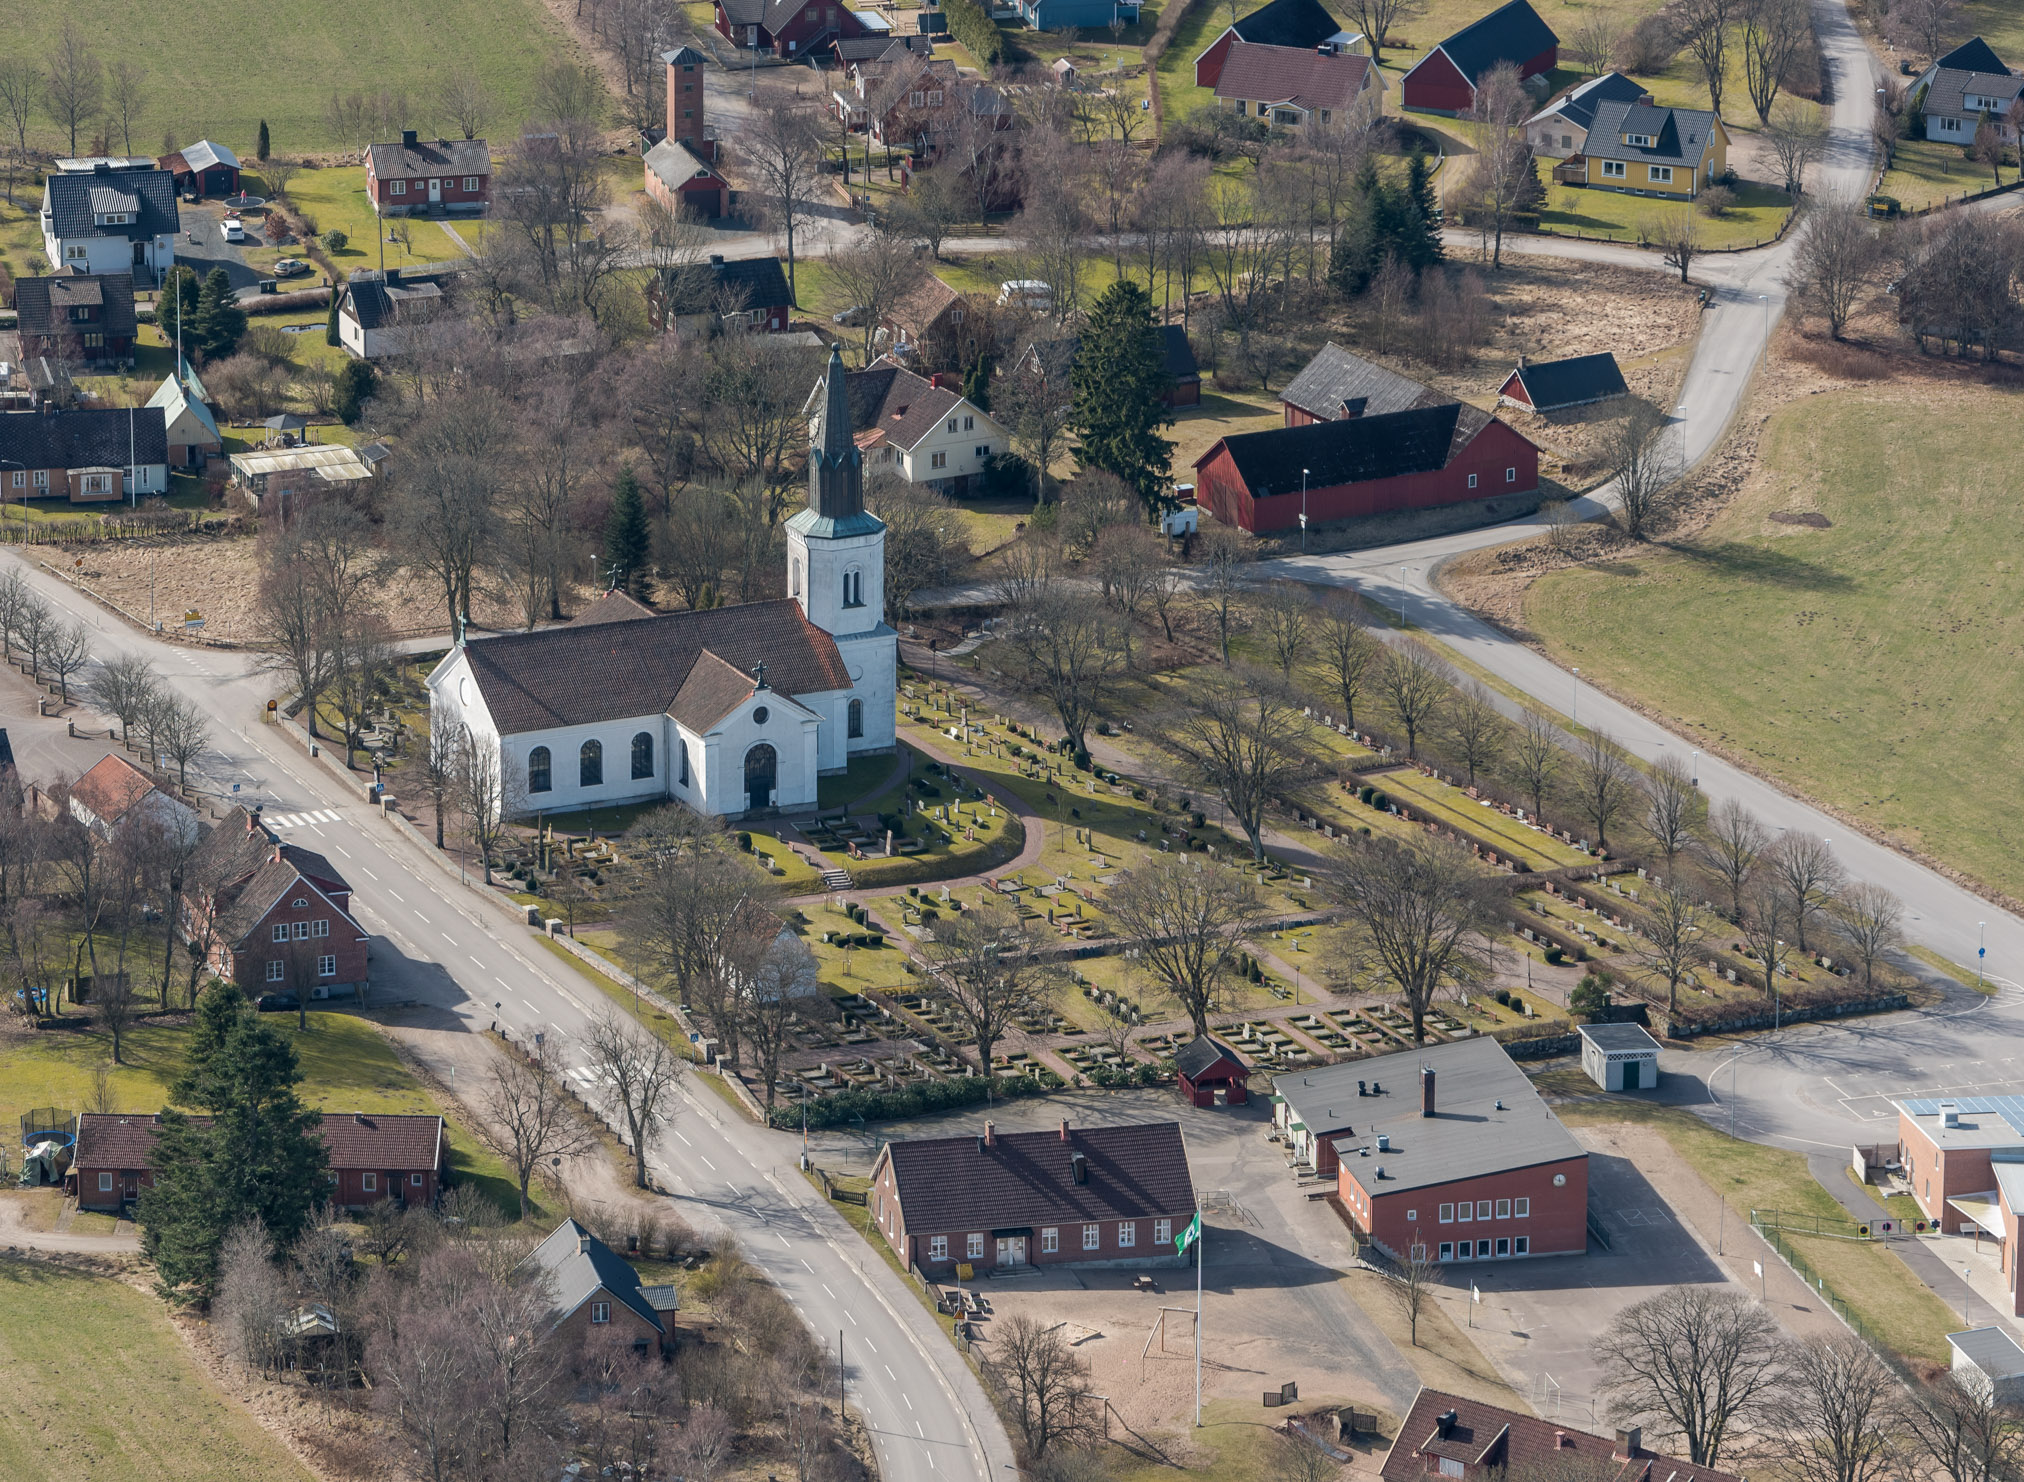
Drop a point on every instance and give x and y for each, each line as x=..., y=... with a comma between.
x=794, y=577
x=855, y=724
x=538, y=779
x=853, y=587
x=590, y=765
x=642, y=755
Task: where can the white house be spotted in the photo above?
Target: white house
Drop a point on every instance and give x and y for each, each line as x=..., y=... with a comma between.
x=730, y=710
x=110, y=220
x=380, y=313
x=1561, y=127
x=907, y=425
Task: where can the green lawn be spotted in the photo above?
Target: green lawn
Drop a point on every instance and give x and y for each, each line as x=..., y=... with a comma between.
x=346, y=1066
x=115, y=1395
x=1864, y=674
x=1758, y=213
x=20, y=236
x=288, y=57
x=1925, y=172
x=336, y=199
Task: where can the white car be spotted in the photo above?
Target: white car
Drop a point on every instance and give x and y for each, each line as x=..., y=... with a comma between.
x=235, y=230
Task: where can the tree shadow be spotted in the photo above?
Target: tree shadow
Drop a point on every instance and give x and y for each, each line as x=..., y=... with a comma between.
x=1765, y=565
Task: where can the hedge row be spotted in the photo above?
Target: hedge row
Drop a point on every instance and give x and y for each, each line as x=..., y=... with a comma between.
x=908, y=1101
x=971, y=24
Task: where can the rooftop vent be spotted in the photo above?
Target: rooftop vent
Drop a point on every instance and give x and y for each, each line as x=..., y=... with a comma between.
x=1384, y=1142
x=1950, y=1114
x=1079, y=1167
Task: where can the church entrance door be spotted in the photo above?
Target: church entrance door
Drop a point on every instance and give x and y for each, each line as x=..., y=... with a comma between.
x=761, y=775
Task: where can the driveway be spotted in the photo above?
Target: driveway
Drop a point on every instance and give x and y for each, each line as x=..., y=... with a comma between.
x=203, y=247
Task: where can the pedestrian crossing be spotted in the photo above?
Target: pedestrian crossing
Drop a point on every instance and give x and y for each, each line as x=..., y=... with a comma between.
x=292, y=820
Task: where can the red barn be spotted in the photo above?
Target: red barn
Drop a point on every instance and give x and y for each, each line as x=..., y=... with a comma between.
x=272, y=917
x=787, y=28
x=1305, y=24
x=1421, y=458
x=1211, y=1073
x=1457, y=1153
x=1445, y=79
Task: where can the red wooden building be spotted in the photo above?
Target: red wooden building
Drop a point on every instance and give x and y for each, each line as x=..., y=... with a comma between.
x=273, y=917
x=1301, y=23
x=1211, y=1073
x=1356, y=467
x=373, y=1156
x=1446, y=78
x=422, y=177
x=787, y=28
x=1444, y=1146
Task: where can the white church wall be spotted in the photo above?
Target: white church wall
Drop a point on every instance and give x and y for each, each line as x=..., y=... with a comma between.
x=821, y=571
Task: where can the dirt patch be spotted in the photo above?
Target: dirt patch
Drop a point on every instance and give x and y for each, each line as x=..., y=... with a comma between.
x=1813, y=519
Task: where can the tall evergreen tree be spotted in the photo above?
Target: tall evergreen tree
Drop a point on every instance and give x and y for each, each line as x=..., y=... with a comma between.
x=1117, y=381
x=260, y=149
x=1353, y=258
x=330, y=334
x=178, y=300
x=1420, y=247
x=258, y=1154
x=219, y=322
x=626, y=540
x=357, y=383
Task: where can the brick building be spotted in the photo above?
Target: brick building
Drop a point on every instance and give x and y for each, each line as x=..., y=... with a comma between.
x=1089, y=1196
x=1964, y=1158
x=597, y=1293
x=1447, y=1147
x=272, y=917
x=1447, y=1436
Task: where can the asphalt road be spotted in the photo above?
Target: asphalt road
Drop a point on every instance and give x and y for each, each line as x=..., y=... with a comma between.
x=440, y=943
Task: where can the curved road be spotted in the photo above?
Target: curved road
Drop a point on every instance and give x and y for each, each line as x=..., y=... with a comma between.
x=462, y=954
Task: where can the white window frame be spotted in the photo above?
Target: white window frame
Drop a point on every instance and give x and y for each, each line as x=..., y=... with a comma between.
x=20, y=478
x=973, y=1246
x=1503, y=1209
x=600, y=1312
x=326, y=965
x=1472, y=481
x=1659, y=174
x=1411, y=1215
x=938, y=1247
x=414, y=1180
x=1482, y=1249
x=42, y=474
x=281, y=931
x=1447, y=1214
x=938, y=460
x=1127, y=1234
x=1483, y=1208
x=275, y=969
x=1050, y=1240
x=1092, y=1237
x=1447, y=1251
x=319, y=928
x=471, y=181
x=1503, y=1245
x=1521, y=1209
x=302, y=931
x=1465, y=1212
x=1163, y=1232
x=1521, y=1245
x=1452, y=1468
x=1614, y=170
x=397, y=187
x=105, y=1183
x=370, y=1182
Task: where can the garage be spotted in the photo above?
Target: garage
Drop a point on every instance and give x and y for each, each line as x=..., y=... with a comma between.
x=1620, y=1057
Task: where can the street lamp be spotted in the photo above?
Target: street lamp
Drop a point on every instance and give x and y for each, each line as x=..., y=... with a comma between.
x=1696, y=769
x=1764, y=347
x=1303, y=509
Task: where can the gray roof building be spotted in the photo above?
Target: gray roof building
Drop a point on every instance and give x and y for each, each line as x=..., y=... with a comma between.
x=577, y=1265
x=416, y=157
x=1555, y=385
x=105, y=437
x=1336, y=384
x=1677, y=136
x=1619, y=1038
x=78, y=205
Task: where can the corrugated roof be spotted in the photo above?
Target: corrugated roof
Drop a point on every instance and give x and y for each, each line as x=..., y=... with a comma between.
x=1467, y=1138
x=1336, y=383
x=333, y=461
x=1027, y=1178
x=204, y=154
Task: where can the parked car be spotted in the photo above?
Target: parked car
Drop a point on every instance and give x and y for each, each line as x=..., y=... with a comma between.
x=235, y=230
x=290, y=267
x=271, y=1003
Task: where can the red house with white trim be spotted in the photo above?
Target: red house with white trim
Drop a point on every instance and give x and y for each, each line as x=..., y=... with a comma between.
x=272, y=917
x=787, y=28
x=1355, y=467
x=422, y=177
x=1445, y=79
x=1444, y=1146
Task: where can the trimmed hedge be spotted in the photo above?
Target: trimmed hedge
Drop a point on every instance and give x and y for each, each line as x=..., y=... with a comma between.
x=971, y=24
x=909, y=1101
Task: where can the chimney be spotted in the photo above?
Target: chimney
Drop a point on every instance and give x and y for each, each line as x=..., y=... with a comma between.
x=1078, y=1166
x=583, y=1245
x=1064, y=1129
x=1521, y=360
x=1559, y=1440
x=253, y=821
x=1426, y=1090
x=1628, y=1439
x=990, y=1134
x=408, y=138
x=1444, y=1423
x=716, y=259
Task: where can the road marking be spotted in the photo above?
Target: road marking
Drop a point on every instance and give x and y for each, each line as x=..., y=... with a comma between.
x=421, y=918
x=370, y=875
x=851, y=1315
x=891, y=1375
x=504, y=984
x=396, y=896
x=908, y=1398
x=713, y=1168
x=685, y=1141
x=804, y=1259
x=449, y=942
x=832, y=1295
x=347, y=854
x=919, y=1432
x=872, y=1346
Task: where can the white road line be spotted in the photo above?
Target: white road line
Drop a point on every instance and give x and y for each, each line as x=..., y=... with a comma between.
x=504, y=984
x=421, y=918
x=891, y=1375
x=685, y=1141
x=804, y=1259
x=871, y=1345
x=919, y=1432
x=713, y=1168
x=347, y=854
x=449, y=942
x=370, y=875
x=908, y=1398
x=783, y=1240
x=851, y=1315
x=825, y=1286
x=396, y=895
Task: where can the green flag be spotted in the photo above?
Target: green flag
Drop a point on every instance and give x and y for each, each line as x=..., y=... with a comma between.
x=1188, y=1236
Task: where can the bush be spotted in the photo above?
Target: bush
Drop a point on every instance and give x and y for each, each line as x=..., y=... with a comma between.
x=356, y=384
x=1649, y=48
x=971, y=24
x=1590, y=998
x=745, y=842
x=1553, y=954
x=877, y=1105
x=335, y=240
x=1715, y=202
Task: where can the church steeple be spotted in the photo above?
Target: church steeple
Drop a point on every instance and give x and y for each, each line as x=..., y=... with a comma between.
x=836, y=467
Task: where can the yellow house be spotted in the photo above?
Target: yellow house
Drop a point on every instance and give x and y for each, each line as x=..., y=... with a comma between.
x=1645, y=150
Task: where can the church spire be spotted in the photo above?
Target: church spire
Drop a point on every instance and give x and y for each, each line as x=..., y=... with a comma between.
x=836, y=468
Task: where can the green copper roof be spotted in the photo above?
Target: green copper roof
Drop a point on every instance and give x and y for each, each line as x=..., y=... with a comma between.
x=824, y=527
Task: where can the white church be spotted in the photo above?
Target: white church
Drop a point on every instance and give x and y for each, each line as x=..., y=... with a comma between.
x=731, y=711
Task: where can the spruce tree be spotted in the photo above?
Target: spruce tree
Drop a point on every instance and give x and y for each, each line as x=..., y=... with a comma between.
x=330, y=334
x=356, y=385
x=219, y=322
x=1353, y=259
x=178, y=300
x=1422, y=248
x=260, y=149
x=1117, y=381
x=626, y=541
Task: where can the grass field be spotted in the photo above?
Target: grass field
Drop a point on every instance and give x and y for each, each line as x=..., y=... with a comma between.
x=1866, y=679
x=346, y=1066
x=336, y=199
x=1925, y=172
x=1756, y=217
x=116, y=1396
x=289, y=56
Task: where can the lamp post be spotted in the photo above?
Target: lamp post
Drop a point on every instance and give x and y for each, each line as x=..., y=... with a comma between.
x=1764, y=344
x=1696, y=769
x=1303, y=509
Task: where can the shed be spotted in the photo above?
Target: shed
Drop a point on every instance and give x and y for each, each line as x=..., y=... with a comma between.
x=1556, y=385
x=1988, y=1362
x=1211, y=1073
x=1620, y=1057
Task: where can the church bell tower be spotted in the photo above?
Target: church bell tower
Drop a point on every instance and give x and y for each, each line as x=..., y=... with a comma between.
x=836, y=547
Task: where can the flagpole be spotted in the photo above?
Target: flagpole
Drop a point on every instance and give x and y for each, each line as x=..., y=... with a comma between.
x=1198, y=1318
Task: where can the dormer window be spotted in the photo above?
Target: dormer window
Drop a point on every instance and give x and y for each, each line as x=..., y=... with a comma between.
x=1644, y=141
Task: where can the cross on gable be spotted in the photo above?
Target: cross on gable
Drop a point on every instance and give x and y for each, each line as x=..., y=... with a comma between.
x=759, y=675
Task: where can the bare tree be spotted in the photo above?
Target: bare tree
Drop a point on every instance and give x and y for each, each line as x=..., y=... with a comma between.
x=490, y=794
x=1375, y=18
x=1671, y=940
x=779, y=986
x=1129, y=562
x=924, y=542
x=1987, y=147
x=1962, y=1432
x=114, y=1002
x=463, y=97
x=20, y=97
x=1731, y=844
x=1065, y=643
x=1639, y=452
x=1044, y=1379
x=1224, y=552
x=1887, y=120
x=1837, y=261
x=1242, y=736
x=640, y=1072
x=1604, y=784
x=1415, y=685
x=180, y=729
x=1285, y=616
x=442, y=518
x=874, y=274
x=441, y=763
x=984, y=970
x=1505, y=182
x=1349, y=649
x=1187, y=922
x=783, y=146
x=1476, y=729
x=1538, y=754
x=1695, y=1362
x=1765, y=923
x=1774, y=36
x=1679, y=241
x=1797, y=136
x=1869, y=921
x=1703, y=27
x=73, y=81
x=1421, y=911
x=1844, y=1416
x=1594, y=41
x=1035, y=401
x=1670, y=803
x=67, y=653
x=126, y=80
x=1927, y=25
x=253, y=1299
x=530, y=1119
x=1806, y=873
x=1412, y=1283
